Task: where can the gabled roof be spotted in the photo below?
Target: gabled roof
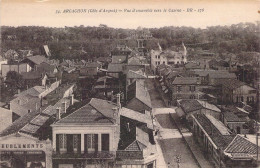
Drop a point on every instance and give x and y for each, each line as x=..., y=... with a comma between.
x=134, y=61
x=233, y=114
x=33, y=91
x=19, y=123
x=219, y=139
x=194, y=105
x=136, y=74
x=141, y=141
x=185, y=81
x=233, y=84
x=38, y=59
x=241, y=145
x=143, y=118
x=138, y=90
x=97, y=111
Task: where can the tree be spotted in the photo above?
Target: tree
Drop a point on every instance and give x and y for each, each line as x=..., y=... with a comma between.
x=14, y=81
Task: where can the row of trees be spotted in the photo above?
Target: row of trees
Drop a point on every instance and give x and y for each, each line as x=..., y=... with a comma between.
x=81, y=41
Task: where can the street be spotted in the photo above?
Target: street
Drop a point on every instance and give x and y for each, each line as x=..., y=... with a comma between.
x=169, y=138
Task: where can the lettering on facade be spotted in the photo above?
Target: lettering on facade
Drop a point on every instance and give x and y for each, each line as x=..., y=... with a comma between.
x=21, y=146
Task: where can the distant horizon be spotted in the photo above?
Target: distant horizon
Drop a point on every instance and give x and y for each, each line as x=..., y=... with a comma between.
x=53, y=13
x=254, y=22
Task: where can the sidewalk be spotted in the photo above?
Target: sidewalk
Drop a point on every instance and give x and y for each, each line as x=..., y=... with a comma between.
x=187, y=136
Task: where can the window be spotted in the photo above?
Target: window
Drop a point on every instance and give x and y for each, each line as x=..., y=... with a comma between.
x=75, y=142
x=192, y=88
x=163, y=62
x=250, y=99
x=159, y=56
x=91, y=140
x=63, y=142
x=178, y=89
x=192, y=96
x=105, y=142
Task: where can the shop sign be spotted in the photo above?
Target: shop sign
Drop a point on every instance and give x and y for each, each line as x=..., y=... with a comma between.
x=21, y=146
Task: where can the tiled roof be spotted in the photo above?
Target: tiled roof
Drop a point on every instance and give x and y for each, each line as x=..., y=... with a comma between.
x=207, y=105
x=38, y=59
x=221, y=141
x=134, y=61
x=221, y=75
x=138, y=90
x=136, y=74
x=93, y=65
x=19, y=123
x=185, y=81
x=45, y=67
x=33, y=91
x=192, y=65
x=96, y=112
x=144, y=118
x=115, y=67
x=232, y=83
x=32, y=75
x=233, y=114
x=140, y=142
x=190, y=105
x=193, y=105
x=241, y=145
x=118, y=59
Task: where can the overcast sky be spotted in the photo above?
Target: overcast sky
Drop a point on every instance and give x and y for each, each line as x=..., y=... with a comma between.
x=43, y=13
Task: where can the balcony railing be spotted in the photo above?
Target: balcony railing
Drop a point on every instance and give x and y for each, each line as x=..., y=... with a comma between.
x=85, y=155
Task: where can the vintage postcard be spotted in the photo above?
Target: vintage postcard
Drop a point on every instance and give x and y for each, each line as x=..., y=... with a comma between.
x=129, y=84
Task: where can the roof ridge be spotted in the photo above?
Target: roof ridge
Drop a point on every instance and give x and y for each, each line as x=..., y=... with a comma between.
x=110, y=119
x=70, y=114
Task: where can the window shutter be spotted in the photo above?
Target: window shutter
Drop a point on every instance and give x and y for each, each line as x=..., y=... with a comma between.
x=58, y=143
x=79, y=143
x=86, y=143
x=96, y=142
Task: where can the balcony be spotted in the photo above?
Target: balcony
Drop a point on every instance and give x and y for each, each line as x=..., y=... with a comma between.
x=85, y=155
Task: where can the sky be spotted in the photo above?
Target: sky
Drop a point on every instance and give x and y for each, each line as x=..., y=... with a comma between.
x=212, y=13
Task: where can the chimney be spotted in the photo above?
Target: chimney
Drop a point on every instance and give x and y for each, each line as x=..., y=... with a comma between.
x=72, y=99
x=36, y=106
x=18, y=91
x=41, y=102
x=58, y=115
x=118, y=101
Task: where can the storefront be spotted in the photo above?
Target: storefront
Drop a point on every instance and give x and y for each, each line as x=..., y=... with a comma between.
x=23, y=151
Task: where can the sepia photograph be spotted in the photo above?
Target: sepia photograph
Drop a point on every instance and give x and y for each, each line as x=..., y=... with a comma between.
x=129, y=84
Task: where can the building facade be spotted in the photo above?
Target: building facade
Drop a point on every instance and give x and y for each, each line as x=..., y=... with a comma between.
x=88, y=137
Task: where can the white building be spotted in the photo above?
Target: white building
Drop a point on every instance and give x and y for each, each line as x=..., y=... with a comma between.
x=168, y=57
